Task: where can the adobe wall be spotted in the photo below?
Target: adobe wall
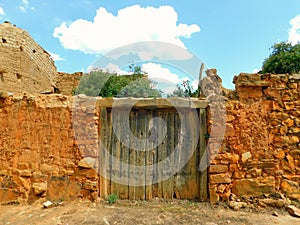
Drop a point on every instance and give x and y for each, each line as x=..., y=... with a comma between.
x=24, y=65
x=66, y=83
x=261, y=151
x=38, y=153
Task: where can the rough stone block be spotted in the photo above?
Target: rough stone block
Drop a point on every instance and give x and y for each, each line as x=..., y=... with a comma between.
x=223, y=178
x=39, y=188
x=8, y=195
x=63, y=189
x=213, y=196
x=291, y=189
x=218, y=168
x=254, y=187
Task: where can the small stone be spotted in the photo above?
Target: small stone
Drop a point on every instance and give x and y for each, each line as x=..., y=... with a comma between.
x=229, y=131
x=291, y=163
x=233, y=197
x=277, y=203
x=275, y=214
x=246, y=156
x=48, y=204
x=237, y=205
x=221, y=188
x=280, y=154
x=293, y=210
x=39, y=188
x=25, y=173
x=294, y=139
x=229, y=118
x=87, y=163
x=214, y=197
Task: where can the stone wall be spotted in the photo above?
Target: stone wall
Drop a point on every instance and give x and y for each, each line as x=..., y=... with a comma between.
x=261, y=151
x=260, y=154
x=24, y=65
x=67, y=83
x=38, y=153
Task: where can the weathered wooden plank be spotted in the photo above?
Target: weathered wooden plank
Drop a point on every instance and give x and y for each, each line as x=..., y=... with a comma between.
x=132, y=157
x=124, y=158
x=170, y=153
x=177, y=127
x=117, y=117
x=150, y=155
x=140, y=159
x=203, y=182
x=191, y=187
x=179, y=186
x=109, y=148
x=160, y=156
x=155, y=156
x=152, y=103
x=103, y=163
x=167, y=185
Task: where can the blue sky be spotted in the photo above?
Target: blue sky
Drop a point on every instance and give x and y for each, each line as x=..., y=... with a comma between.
x=233, y=36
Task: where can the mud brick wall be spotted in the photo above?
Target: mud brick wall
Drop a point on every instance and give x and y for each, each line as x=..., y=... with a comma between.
x=24, y=65
x=261, y=150
x=67, y=83
x=38, y=153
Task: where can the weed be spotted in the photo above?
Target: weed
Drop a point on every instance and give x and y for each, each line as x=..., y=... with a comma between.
x=112, y=198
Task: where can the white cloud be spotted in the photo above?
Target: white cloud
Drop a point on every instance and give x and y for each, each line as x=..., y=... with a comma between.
x=157, y=72
x=24, y=5
x=151, y=50
x=132, y=24
x=2, y=13
x=294, y=33
x=55, y=57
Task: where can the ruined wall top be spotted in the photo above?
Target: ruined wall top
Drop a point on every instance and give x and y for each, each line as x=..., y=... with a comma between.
x=254, y=87
x=24, y=65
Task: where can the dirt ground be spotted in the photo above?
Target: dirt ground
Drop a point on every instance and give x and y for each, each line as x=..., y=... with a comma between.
x=140, y=212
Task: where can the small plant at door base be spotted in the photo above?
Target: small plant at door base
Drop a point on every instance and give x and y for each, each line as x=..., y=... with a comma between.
x=112, y=198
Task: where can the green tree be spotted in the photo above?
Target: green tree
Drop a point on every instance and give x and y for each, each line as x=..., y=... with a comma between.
x=99, y=83
x=285, y=58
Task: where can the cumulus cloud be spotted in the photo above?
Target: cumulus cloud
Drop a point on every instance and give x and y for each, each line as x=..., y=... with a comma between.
x=294, y=33
x=132, y=24
x=156, y=72
x=165, y=79
x=55, y=57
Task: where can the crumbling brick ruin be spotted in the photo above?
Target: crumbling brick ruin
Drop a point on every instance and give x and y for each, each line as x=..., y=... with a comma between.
x=66, y=83
x=24, y=65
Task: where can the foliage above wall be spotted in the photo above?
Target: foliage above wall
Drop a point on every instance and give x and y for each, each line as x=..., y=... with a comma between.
x=99, y=83
x=285, y=58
